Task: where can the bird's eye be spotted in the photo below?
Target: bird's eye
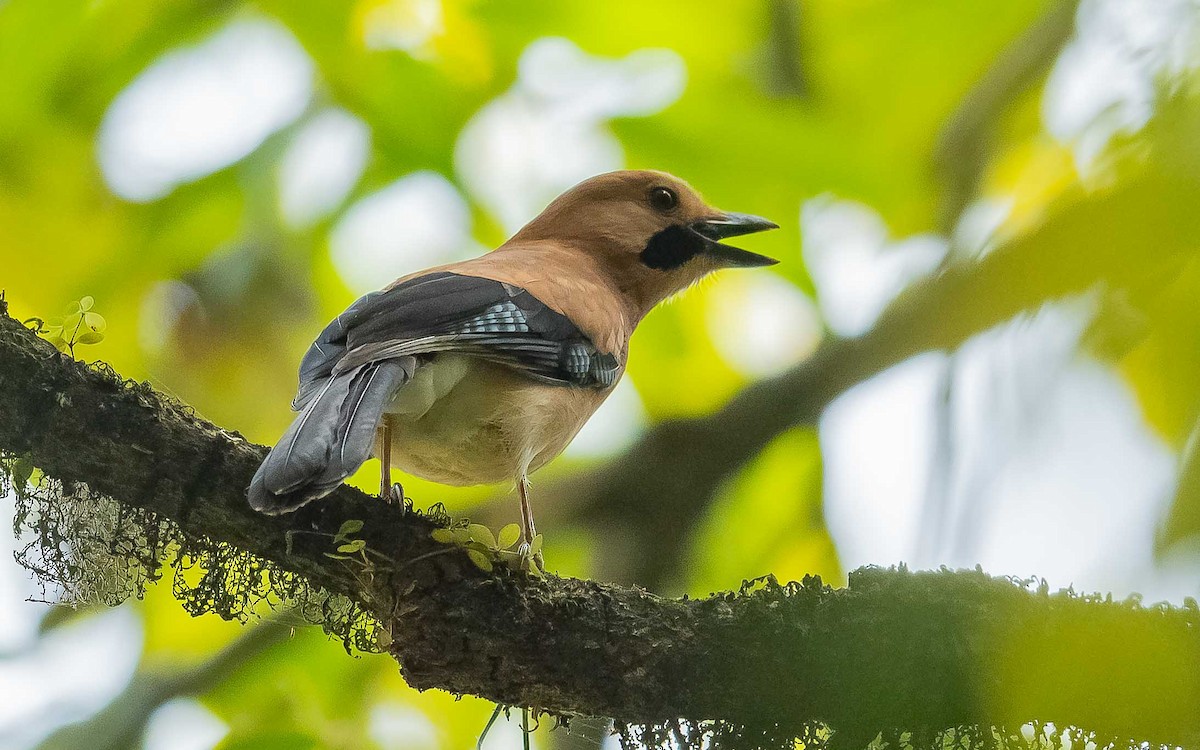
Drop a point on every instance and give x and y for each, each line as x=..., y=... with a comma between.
x=663, y=199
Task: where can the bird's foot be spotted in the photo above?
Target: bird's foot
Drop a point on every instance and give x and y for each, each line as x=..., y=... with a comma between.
x=531, y=559
x=395, y=496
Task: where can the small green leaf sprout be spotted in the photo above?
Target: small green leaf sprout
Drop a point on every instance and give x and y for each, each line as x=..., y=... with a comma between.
x=345, y=543
x=485, y=549
x=80, y=325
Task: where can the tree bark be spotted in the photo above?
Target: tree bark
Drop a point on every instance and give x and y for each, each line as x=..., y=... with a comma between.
x=895, y=650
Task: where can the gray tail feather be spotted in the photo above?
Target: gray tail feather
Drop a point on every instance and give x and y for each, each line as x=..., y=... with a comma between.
x=330, y=438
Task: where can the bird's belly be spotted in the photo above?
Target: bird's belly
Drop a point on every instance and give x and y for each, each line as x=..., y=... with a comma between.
x=447, y=451
x=464, y=421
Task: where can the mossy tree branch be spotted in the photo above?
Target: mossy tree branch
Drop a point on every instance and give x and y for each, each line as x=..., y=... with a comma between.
x=893, y=651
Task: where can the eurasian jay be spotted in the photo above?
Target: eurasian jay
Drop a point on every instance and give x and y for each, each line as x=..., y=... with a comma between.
x=483, y=371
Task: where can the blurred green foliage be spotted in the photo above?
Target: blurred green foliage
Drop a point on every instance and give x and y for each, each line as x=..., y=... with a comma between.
x=880, y=80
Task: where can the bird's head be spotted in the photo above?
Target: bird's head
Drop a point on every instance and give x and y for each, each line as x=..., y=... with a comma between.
x=649, y=231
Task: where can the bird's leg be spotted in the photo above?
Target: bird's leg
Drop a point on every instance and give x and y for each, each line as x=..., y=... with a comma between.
x=385, y=460
x=391, y=493
x=528, y=532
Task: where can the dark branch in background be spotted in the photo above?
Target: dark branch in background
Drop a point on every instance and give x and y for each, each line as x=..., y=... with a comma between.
x=1183, y=522
x=964, y=148
x=894, y=651
x=934, y=517
x=965, y=143
x=785, y=70
x=122, y=723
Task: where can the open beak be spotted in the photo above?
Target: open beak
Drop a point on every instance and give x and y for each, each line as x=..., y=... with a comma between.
x=729, y=225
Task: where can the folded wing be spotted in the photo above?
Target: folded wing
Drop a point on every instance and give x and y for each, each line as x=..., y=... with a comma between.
x=356, y=365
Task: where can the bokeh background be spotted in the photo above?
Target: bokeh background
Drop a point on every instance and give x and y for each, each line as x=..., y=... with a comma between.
x=223, y=177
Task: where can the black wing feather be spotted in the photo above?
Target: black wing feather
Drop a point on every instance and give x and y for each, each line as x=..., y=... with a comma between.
x=362, y=358
x=445, y=311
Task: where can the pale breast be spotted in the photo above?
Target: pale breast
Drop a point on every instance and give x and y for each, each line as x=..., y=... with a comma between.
x=463, y=421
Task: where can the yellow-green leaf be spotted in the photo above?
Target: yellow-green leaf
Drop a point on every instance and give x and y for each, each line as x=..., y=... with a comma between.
x=482, y=534
x=444, y=536
x=481, y=560
x=508, y=536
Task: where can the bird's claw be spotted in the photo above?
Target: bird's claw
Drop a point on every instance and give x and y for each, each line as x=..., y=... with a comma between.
x=531, y=559
x=395, y=496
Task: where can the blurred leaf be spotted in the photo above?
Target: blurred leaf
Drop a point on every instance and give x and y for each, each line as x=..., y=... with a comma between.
x=270, y=741
x=1164, y=366
x=1183, y=520
x=674, y=340
x=307, y=687
x=59, y=615
x=416, y=107
x=769, y=519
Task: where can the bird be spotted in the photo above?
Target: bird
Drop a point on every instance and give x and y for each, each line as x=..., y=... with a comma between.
x=482, y=371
